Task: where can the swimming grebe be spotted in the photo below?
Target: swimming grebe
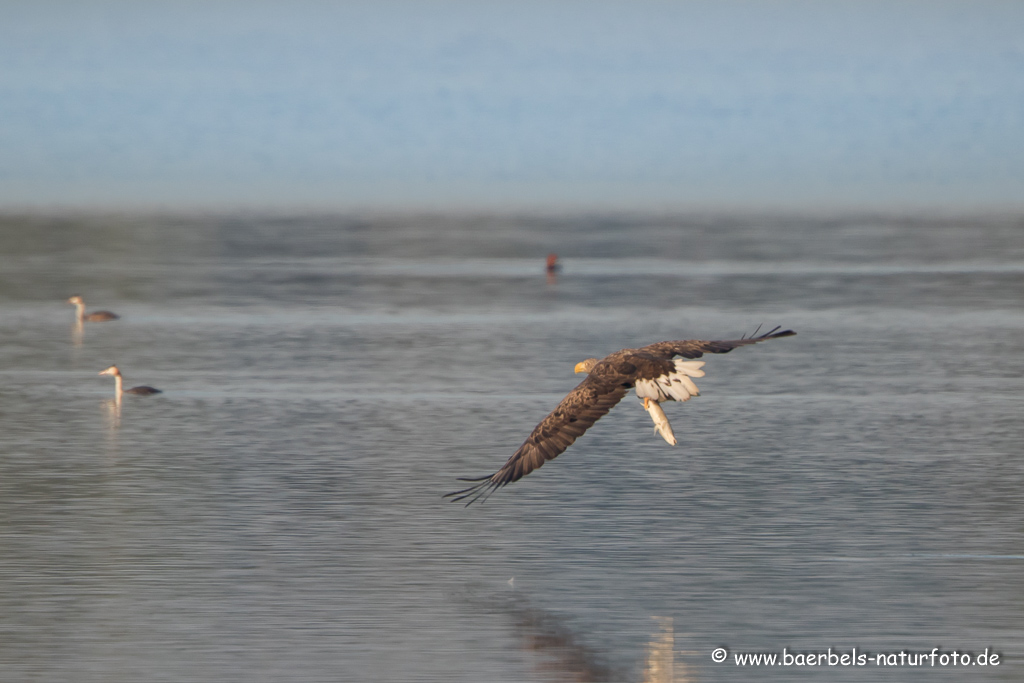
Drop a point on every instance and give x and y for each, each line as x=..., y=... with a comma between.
x=118, y=390
x=96, y=317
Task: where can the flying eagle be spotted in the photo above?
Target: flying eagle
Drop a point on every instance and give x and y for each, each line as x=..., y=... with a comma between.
x=653, y=370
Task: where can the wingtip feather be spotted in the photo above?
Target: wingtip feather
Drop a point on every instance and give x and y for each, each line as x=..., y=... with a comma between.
x=484, y=487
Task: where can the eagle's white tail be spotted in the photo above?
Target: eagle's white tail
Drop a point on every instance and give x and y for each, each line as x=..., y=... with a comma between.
x=673, y=386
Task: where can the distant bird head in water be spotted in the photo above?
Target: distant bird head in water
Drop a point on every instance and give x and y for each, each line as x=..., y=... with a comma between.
x=112, y=370
x=552, y=263
x=76, y=300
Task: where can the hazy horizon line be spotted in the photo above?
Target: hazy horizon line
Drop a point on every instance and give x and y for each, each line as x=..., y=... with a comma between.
x=810, y=210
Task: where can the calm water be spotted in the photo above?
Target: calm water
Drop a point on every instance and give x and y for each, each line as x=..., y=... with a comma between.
x=276, y=514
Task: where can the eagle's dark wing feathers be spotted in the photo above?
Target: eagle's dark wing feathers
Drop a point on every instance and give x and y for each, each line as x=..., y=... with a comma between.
x=577, y=412
x=695, y=348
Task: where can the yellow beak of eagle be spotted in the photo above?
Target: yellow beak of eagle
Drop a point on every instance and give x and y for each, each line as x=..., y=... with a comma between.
x=586, y=365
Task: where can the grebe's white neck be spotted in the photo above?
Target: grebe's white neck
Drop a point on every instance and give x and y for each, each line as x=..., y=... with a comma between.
x=118, y=381
x=79, y=310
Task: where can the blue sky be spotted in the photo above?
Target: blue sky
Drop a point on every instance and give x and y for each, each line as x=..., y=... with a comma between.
x=527, y=105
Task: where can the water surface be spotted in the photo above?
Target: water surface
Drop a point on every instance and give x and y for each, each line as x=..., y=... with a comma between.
x=276, y=514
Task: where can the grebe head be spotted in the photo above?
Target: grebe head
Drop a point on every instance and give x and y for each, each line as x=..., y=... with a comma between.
x=112, y=370
x=76, y=300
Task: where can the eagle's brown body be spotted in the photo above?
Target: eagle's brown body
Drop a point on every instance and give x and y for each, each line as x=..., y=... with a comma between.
x=606, y=384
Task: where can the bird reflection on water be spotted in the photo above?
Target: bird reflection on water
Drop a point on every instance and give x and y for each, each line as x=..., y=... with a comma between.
x=557, y=653
x=113, y=409
x=113, y=419
x=661, y=665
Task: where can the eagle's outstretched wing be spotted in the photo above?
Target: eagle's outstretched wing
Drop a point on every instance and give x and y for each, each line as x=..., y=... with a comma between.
x=695, y=348
x=577, y=412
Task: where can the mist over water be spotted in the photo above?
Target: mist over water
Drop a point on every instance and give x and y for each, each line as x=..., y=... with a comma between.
x=440, y=105
x=276, y=513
